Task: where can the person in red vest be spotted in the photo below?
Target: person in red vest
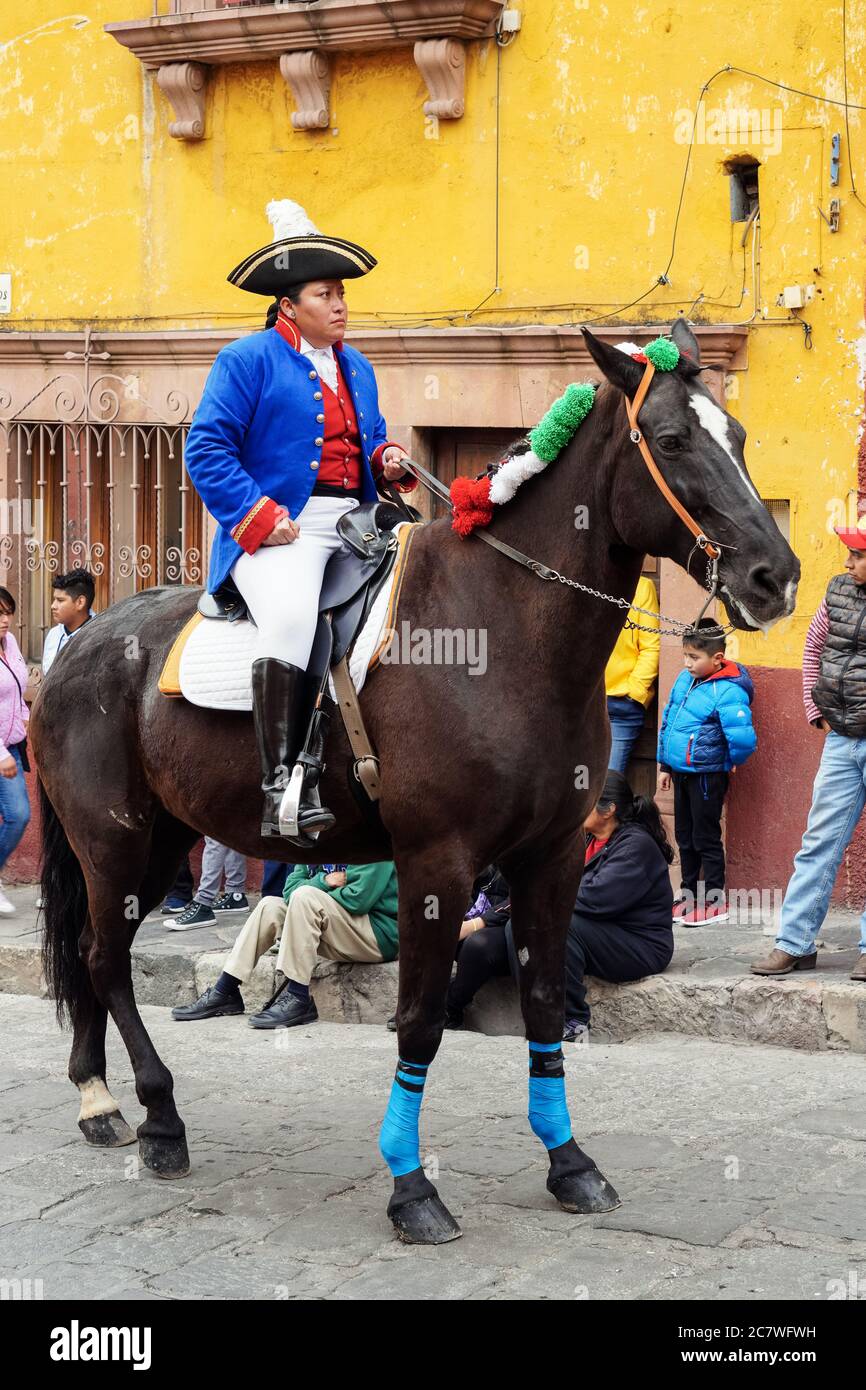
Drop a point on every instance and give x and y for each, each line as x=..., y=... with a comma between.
x=287, y=438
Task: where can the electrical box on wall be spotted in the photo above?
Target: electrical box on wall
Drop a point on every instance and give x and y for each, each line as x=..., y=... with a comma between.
x=796, y=296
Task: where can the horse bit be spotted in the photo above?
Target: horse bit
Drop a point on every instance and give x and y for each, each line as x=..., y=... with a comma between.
x=712, y=549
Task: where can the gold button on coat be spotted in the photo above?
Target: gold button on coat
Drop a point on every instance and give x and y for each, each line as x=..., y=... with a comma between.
x=319, y=440
x=317, y=395
x=314, y=463
x=313, y=376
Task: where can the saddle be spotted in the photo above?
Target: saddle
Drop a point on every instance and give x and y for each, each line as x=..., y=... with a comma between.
x=354, y=577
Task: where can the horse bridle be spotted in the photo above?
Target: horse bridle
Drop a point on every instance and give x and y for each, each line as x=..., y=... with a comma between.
x=712, y=549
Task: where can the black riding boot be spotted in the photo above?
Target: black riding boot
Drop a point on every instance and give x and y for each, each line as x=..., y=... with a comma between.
x=282, y=705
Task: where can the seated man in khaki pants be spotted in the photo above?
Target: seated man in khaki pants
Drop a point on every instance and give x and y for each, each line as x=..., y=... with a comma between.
x=346, y=913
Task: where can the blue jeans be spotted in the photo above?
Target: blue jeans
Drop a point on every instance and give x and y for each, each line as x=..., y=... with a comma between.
x=274, y=878
x=838, y=799
x=626, y=721
x=14, y=808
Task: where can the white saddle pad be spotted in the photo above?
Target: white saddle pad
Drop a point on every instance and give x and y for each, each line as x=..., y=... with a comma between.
x=216, y=663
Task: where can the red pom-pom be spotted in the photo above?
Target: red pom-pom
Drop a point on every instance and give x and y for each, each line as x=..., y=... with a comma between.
x=639, y=357
x=472, y=505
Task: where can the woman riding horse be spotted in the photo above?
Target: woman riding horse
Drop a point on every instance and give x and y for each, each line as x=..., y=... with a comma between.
x=287, y=438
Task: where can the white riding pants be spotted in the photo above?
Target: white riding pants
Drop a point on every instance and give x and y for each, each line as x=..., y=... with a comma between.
x=280, y=584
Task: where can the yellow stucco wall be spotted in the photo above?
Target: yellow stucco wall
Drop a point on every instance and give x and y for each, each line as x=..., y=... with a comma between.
x=106, y=219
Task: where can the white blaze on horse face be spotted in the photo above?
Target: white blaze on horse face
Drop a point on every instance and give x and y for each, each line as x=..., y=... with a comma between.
x=714, y=420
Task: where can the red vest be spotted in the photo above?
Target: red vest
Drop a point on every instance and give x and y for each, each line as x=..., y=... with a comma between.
x=341, y=451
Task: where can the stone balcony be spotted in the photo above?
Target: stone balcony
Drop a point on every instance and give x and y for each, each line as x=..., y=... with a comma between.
x=181, y=47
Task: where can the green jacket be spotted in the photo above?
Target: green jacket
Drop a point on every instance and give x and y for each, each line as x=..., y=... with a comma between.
x=369, y=888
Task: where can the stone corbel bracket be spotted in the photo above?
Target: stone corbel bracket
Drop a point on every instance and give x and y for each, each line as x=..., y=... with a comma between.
x=442, y=64
x=308, y=74
x=185, y=85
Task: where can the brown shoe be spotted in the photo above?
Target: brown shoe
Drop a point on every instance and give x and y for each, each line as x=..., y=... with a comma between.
x=859, y=971
x=780, y=963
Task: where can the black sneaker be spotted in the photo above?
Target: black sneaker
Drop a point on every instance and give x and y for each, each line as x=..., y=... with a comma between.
x=196, y=915
x=575, y=1032
x=391, y=1025
x=231, y=902
x=212, y=1004
x=286, y=1011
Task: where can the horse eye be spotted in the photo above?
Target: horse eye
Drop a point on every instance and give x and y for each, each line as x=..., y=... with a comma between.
x=671, y=442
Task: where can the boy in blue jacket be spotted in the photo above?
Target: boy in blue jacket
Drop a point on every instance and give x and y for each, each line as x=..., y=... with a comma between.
x=706, y=730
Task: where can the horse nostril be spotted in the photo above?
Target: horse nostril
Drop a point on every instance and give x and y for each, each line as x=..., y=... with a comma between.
x=761, y=578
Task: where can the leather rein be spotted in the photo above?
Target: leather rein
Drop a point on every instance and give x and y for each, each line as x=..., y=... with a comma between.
x=712, y=549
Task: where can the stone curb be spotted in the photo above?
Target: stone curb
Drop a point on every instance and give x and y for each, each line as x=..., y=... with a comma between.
x=814, y=1015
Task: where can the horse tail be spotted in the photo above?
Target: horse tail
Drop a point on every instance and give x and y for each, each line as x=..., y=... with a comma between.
x=64, y=907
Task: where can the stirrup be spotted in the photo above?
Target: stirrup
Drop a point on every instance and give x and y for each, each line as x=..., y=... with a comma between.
x=292, y=809
x=290, y=805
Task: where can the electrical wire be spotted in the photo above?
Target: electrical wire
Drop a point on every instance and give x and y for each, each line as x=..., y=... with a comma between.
x=418, y=319
x=845, y=80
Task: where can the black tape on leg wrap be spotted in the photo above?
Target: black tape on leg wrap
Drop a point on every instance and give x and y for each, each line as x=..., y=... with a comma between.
x=546, y=1063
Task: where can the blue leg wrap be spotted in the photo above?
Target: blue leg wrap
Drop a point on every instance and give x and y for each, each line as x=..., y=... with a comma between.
x=399, y=1143
x=548, y=1111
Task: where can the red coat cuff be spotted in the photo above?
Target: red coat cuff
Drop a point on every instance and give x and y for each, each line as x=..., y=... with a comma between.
x=258, y=523
x=404, y=484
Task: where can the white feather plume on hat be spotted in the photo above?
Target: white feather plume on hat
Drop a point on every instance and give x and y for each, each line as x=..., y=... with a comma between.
x=289, y=219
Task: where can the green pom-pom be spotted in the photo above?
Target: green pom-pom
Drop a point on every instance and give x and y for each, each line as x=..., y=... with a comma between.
x=550, y=437
x=663, y=354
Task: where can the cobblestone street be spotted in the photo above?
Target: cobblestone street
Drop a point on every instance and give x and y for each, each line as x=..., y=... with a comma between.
x=740, y=1168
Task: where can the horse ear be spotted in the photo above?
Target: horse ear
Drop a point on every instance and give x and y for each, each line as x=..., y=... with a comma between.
x=687, y=343
x=620, y=369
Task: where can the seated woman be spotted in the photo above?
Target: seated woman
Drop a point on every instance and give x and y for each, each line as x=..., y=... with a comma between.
x=486, y=946
x=621, y=928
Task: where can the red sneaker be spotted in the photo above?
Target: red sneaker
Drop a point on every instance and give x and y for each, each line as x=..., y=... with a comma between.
x=680, y=910
x=704, y=916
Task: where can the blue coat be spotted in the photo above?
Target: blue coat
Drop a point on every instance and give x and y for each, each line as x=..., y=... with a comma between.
x=707, y=725
x=254, y=431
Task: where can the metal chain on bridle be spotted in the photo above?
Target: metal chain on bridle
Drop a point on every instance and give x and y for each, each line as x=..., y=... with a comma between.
x=678, y=628
x=712, y=549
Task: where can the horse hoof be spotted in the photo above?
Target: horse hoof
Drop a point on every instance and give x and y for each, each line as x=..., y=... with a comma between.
x=107, y=1131
x=425, y=1222
x=167, y=1158
x=419, y=1215
x=584, y=1192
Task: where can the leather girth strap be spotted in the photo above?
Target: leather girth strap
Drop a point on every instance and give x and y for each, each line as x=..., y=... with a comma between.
x=366, y=762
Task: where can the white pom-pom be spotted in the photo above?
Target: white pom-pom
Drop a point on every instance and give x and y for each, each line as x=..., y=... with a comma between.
x=628, y=348
x=289, y=219
x=508, y=478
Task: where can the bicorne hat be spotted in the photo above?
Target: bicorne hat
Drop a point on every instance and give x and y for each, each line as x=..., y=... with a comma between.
x=298, y=253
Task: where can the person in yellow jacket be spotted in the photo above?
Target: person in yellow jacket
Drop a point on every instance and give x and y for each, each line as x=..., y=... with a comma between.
x=631, y=674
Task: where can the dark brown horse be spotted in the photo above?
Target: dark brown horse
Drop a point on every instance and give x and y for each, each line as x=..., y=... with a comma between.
x=501, y=766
